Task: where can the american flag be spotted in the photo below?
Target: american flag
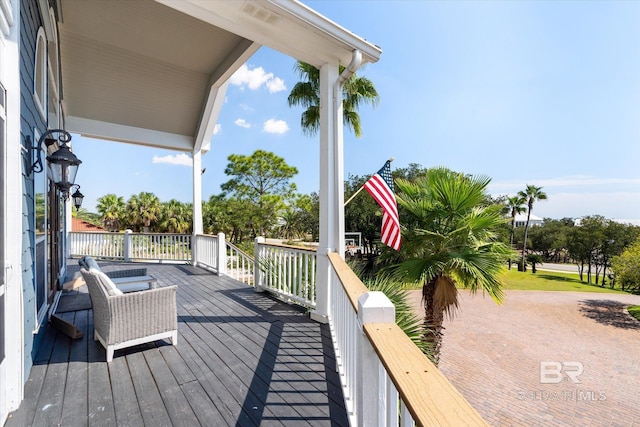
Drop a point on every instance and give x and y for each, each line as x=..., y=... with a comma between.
x=380, y=186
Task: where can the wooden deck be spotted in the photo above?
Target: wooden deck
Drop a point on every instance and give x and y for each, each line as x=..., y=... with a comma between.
x=242, y=359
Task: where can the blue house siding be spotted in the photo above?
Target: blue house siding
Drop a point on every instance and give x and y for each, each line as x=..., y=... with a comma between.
x=30, y=22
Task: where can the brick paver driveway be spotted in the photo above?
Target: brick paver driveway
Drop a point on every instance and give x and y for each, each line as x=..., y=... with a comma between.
x=586, y=344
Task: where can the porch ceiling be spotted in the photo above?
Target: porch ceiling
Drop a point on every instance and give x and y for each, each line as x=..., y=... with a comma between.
x=141, y=72
x=154, y=72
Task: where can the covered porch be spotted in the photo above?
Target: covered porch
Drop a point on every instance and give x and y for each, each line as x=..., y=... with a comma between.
x=243, y=358
x=155, y=73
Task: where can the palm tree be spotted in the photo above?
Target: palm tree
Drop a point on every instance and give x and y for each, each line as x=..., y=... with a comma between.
x=175, y=217
x=111, y=209
x=143, y=210
x=133, y=213
x=306, y=93
x=515, y=207
x=530, y=195
x=449, y=239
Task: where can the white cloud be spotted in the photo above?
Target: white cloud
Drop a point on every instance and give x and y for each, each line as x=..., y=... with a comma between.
x=275, y=126
x=276, y=85
x=255, y=78
x=217, y=128
x=178, y=159
x=242, y=123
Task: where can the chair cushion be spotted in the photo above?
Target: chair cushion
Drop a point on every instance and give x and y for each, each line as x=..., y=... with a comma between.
x=106, y=282
x=87, y=262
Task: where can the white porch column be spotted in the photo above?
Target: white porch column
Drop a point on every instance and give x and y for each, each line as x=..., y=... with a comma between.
x=12, y=375
x=197, y=201
x=331, y=187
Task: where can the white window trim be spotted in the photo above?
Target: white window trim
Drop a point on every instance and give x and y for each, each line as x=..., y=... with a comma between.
x=53, y=95
x=6, y=17
x=41, y=57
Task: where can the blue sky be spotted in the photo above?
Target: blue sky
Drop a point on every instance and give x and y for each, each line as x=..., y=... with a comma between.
x=542, y=93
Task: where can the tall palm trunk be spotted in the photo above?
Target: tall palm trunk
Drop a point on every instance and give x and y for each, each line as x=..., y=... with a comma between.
x=524, y=242
x=513, y=225
x=433, y=319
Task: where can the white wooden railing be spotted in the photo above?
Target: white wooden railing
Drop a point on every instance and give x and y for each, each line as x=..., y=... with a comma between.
x=158, y=246
x=206, y=251
x=97, y=244
x=130, y=246
x=386, y=379
x=289, y=272
x=240, y=265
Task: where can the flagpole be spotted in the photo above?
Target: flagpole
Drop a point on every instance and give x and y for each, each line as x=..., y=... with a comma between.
x=360, y=189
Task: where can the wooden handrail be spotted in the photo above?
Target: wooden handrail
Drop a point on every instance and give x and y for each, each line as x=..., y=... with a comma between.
x=237, y=249
x=351, y=283
x=298, y=248
x=427, y=393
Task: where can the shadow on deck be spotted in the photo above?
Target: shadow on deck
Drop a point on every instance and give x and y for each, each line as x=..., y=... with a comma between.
x=242, y=359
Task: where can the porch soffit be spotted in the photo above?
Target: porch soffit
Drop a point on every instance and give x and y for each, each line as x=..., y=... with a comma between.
x=138, y=71
x=142, y=71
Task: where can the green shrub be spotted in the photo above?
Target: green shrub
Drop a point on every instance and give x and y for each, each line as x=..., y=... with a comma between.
x=626, y=268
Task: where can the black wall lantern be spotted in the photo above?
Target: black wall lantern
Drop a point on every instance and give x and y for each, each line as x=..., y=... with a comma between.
x=63, y=164
x=77, y=197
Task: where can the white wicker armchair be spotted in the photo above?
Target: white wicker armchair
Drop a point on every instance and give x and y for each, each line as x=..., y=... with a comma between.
x=124, y=320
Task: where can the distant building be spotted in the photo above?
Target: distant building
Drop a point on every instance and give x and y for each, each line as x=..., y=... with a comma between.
x=521, y=220
x=78, y=224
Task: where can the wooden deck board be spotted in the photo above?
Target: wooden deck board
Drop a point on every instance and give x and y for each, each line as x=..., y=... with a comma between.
x=152, y=407
x=208, y=381
x=34, y=383
x=127, y=410
x=242, y=359
x=100, y=398
x=49, y=407
x=174, y=399
x=75, y=405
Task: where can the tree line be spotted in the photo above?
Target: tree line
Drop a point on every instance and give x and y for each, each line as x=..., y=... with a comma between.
x=259, y=199
x=592, y=243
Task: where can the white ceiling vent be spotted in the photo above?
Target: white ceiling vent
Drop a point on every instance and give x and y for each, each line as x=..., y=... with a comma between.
x=260, y=13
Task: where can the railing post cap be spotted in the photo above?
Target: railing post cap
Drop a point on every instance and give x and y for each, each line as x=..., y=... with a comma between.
x=260, y=239
x=375, y=307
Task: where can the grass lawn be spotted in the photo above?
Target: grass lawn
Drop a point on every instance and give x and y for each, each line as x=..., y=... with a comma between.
x=634, y=310
x=550, y=281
